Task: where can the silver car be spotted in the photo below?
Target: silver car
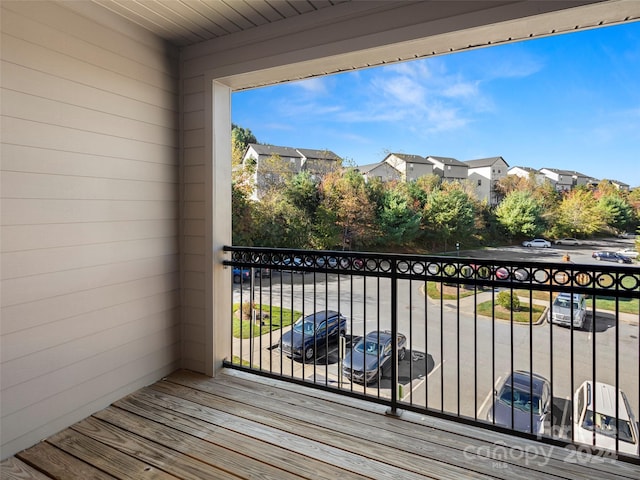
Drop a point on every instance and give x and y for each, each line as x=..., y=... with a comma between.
x=562, y=307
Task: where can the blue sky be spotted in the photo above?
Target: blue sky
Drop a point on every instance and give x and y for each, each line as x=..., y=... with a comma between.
x=570, y=101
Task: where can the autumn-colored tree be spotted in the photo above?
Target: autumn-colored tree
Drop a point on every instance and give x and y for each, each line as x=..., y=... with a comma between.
x=345, y=210
x=514, y=183
x=578, y=215
x=606, y=189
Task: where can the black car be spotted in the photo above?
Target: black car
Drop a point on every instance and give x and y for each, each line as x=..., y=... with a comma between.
x=313, y=335
x=526, y=396
x=611, y=257
x=367, y=360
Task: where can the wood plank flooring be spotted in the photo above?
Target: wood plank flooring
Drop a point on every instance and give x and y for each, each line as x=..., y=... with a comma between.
x=192, y=427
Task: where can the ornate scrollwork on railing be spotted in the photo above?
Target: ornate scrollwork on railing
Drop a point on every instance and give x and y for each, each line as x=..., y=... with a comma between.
x=590, y=279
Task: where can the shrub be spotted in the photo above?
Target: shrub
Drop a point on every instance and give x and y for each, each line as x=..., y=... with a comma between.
x=247, y=311
x=507, y=300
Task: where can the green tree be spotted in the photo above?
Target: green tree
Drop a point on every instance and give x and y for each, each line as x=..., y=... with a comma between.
x=398, y=221
x=240, y=139
x=280, y=223
x=242, y=215
x=520, y=214
x=449, y=215
x=616, y=212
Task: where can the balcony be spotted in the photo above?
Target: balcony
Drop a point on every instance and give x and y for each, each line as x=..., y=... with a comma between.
x=241, y=425
x=426, y=415
x=461, y=355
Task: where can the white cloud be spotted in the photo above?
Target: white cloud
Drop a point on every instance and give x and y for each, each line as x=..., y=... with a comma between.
x=314, y=86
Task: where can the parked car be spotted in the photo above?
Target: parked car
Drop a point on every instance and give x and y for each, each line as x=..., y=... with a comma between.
x=527, y=396
x=519, y=274
x=568, y=241
x=611, y=257
x=537, y=242
x=628, y=252
x=314, y=335
x=241, y=274
x=602, y=399
x=371, y=355
x=562, y=306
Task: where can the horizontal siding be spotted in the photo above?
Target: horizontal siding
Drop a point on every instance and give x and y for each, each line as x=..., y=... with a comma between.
x=27, y=159
x=193, y=236
x=90, y=216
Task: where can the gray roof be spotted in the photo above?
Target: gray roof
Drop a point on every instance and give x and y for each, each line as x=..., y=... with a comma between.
x=621, y=184
x=526, y=169
x=275, y=150
x=367, y=168
x=448, y=161
x=578, y=174
x=484, y=162
x=559, y=172
x=410, y=158
x=318, y=154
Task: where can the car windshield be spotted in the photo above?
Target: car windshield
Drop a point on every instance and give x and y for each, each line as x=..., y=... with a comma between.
x=606, y=425
x=520, y=399
x=306, y=326
x=565, y=303
x=367, y=347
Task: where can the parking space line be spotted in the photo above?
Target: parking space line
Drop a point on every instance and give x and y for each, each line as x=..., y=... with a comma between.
x=486, y=400
x=436, y=368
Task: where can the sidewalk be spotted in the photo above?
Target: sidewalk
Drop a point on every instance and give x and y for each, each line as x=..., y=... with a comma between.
x=467, y=305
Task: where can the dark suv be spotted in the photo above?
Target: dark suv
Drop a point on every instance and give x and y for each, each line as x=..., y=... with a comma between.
x=313, y=335
x=611, y=257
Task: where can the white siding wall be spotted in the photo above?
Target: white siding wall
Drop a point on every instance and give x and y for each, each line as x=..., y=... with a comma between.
x=89, y=213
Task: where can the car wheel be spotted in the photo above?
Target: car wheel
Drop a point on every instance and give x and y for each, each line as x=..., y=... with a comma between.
x=402, y=354
x=620, y=261
x=308, y=353
x=236, y=279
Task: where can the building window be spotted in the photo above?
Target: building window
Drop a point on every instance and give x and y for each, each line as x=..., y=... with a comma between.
x=479, y=181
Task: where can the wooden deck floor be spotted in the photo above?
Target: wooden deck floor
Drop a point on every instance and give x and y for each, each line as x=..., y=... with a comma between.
x=188, y=426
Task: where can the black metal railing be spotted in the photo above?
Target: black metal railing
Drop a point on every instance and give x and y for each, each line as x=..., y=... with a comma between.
x=546, y=350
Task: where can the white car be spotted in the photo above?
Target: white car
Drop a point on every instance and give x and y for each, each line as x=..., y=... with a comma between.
x=629, y=252
x=537, y=242
x=604, y=422
x=568, y=241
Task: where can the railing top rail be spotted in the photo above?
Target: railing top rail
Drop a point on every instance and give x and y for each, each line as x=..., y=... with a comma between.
x=613, y=280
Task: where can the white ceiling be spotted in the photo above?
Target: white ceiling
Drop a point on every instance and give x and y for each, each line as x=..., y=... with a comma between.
x=186, y=22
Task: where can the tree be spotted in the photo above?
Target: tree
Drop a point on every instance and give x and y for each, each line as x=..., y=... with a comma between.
x=520, y=214
x=346, y=213
x=398, y=221
x=240, y=139
x=448, y=215
x=578, y=215
x=616, y=212
x=242, y=216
